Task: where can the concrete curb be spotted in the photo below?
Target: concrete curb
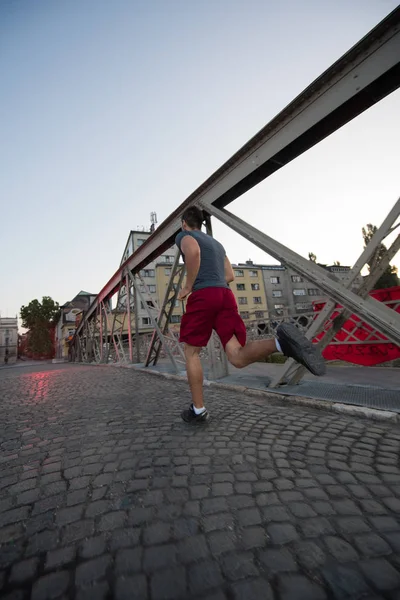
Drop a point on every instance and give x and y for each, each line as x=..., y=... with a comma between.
x=346, y=409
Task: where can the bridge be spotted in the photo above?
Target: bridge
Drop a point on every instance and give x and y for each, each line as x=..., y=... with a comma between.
x=362, y=77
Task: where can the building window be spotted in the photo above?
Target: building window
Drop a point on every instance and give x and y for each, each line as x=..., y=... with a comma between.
x=168, y=259
x=240, y=287
x=152, y=289
x=175, y=319
x=299, y=292
x=145, y=320
x=303, y=305
x=239, y=273
x=313, y=292
x=297, y=279
x=150, y=303
x=253, y=273
x=259, y=314
x=276, y=293
x=278, y=306
x=257, y=300
x=242, y=300
x=140, y=242
x=274, y=279
x=142, y=289
x=244, y=314
x=147, y=273
x=255, y=286
x=167, y=272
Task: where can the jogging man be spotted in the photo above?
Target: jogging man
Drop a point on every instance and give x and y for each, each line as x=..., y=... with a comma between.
x=212, y=305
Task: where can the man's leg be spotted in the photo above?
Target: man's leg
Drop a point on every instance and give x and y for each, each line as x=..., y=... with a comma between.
x=241, y=356
x=195, y=374
x=290, y=341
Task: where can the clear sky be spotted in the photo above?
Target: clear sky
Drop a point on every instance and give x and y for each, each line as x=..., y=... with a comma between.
x=111, y=110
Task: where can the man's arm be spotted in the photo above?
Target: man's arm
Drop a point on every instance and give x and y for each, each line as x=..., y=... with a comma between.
x=229, y=274
x=191, y=251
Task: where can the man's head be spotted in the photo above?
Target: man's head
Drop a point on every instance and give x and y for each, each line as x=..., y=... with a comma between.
x=192, y=218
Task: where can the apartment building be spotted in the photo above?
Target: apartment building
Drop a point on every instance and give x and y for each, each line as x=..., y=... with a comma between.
x=8, y=340
x=249, y=290
x=289, y=292
x=156, y=269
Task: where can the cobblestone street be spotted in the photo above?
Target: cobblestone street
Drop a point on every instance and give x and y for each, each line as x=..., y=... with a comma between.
x=105, y=493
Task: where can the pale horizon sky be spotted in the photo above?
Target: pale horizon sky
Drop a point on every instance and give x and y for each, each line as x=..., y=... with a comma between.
x=111, y=110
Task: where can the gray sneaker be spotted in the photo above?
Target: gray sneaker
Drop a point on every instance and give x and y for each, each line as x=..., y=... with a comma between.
x=295, y=345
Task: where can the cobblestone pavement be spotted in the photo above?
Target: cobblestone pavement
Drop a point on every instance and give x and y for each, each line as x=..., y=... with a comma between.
x=105, y=493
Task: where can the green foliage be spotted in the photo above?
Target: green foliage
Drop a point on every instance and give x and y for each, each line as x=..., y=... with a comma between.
x=389, y=277
x=312, y=257
x=45, y=313
x=39, y=317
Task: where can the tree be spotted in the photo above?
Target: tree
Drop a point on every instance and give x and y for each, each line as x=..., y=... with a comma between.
x=337, y=263
x=39, y=318
x=389, y=277
x=312, y=257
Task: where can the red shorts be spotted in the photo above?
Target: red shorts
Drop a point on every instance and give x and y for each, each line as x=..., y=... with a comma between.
x=208, y=309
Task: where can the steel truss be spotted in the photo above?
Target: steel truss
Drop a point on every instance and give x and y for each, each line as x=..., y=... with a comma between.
x=363, y=76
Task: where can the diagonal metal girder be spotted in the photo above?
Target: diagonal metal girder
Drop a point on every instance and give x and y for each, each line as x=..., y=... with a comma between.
x=359, y=79
x=373, y=312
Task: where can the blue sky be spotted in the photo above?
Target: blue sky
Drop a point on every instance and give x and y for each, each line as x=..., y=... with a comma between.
x=111, y=110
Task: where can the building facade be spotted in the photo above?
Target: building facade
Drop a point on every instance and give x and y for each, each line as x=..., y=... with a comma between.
x=249, y=290
x=288, y=292
x=65, y=328
x=158, y=270
x=8, y=340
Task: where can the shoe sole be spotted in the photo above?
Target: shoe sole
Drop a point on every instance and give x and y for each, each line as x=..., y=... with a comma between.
x=196, y=421
x=308, y=354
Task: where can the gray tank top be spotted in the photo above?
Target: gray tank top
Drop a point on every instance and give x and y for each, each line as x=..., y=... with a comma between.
x=212, y=257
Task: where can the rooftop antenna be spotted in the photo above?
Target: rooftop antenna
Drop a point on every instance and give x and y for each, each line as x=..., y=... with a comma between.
x=153, y=221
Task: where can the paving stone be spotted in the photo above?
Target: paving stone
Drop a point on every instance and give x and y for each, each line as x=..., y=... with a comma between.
x=282, y=533
x=193, y=549
x=277, y=561
x=237, y=566
x=125, y=538
x=253, y=537
x=298, y=587
x=222, y=541
x=131, y=588
x=94, y=546
x=249, y=516
x=252, y=589
x=128, y=561
x=59, y=558
x=218, y=521
x=204, y=576
x=112, y=520
x=50, y=586
x=371, y=544
x=99, y=591
x=159, y=557
x=157, y=533
x=345, y=582
x=340, y=549
x=309, y=555
x=213, y=505
x=77, y=531
x=380, y=573
x=92, y=570
x=42, y=542
x=169, y=584
x=24, y=570
x=353, y=525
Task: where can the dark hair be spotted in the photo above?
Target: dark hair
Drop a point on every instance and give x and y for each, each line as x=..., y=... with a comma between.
x=194, y=217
